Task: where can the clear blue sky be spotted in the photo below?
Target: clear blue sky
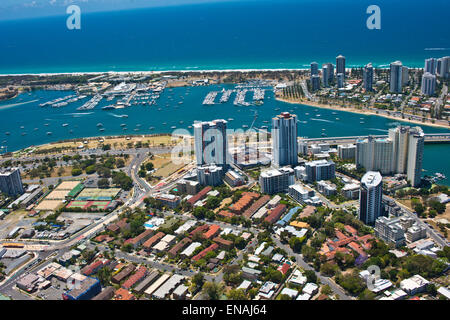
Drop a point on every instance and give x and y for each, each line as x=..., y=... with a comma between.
x=19, y=9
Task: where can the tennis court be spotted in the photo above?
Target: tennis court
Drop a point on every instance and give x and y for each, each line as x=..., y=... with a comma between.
x=96, y=194
x=98, y=205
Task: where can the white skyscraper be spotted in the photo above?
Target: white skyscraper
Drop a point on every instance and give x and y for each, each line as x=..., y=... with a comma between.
x=408, y=152
x=431, y=65
x=428, y=84
x=284, y=139
x=443, y=65
x=211, y=142
x=368, y=77
x=375, y=154
x=370, y=197
x=396, y=80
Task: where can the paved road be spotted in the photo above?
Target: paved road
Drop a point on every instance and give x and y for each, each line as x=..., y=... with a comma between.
x=430, y=231
x=325, y=280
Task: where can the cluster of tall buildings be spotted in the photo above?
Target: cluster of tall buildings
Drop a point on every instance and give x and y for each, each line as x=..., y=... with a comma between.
x=398, y=76
x=401, y=152
x=432, y=69
x=439, y=67
x=328, y=74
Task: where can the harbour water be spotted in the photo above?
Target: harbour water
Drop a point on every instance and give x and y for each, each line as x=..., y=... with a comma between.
x=28, y=124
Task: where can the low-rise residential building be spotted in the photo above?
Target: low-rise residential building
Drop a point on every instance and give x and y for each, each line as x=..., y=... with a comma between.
x=390, y=230
x=169, y=200
x=327, y=188
x=414, y=285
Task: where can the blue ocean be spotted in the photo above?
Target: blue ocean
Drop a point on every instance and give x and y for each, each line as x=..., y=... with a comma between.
x=228, y=35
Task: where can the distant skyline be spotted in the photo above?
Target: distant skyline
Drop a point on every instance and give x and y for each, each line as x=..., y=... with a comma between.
x=23, y=9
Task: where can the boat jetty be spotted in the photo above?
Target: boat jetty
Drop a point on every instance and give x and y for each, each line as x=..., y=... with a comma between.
x=91, y=103
x=210, y=97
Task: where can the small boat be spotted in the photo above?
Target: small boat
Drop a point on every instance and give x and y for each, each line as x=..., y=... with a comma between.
x=138, y=125
x=124, y=116
x=189, y=127
x=49, y=133
x=65, y=124
x=110, y=107
x=361, y=122
x=123, y=125
x=46, y=124
x=307, y=114
x=151, y=128
x=164, y=123
x=244, y=126
x=36, y=129
x=99, y=124
x=324, y=134
x=7, y=133
x=337, y=118
x=24, y=133
x=173, y=127
x=101, y=129
x=22, y=127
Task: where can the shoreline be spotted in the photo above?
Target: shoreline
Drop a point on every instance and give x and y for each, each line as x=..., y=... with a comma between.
x=360, y=111
x=81, y=73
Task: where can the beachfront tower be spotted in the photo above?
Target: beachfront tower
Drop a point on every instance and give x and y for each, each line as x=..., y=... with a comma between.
x=428, y=84
x=325, y=76
x=443, y=65
x=330, y=72
x=395, y=82
x=340, y=65
x=210, y=140
x=368, y=77
x=284, y=140
x=314, y=68
x=430, y=65
x=370, y=197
